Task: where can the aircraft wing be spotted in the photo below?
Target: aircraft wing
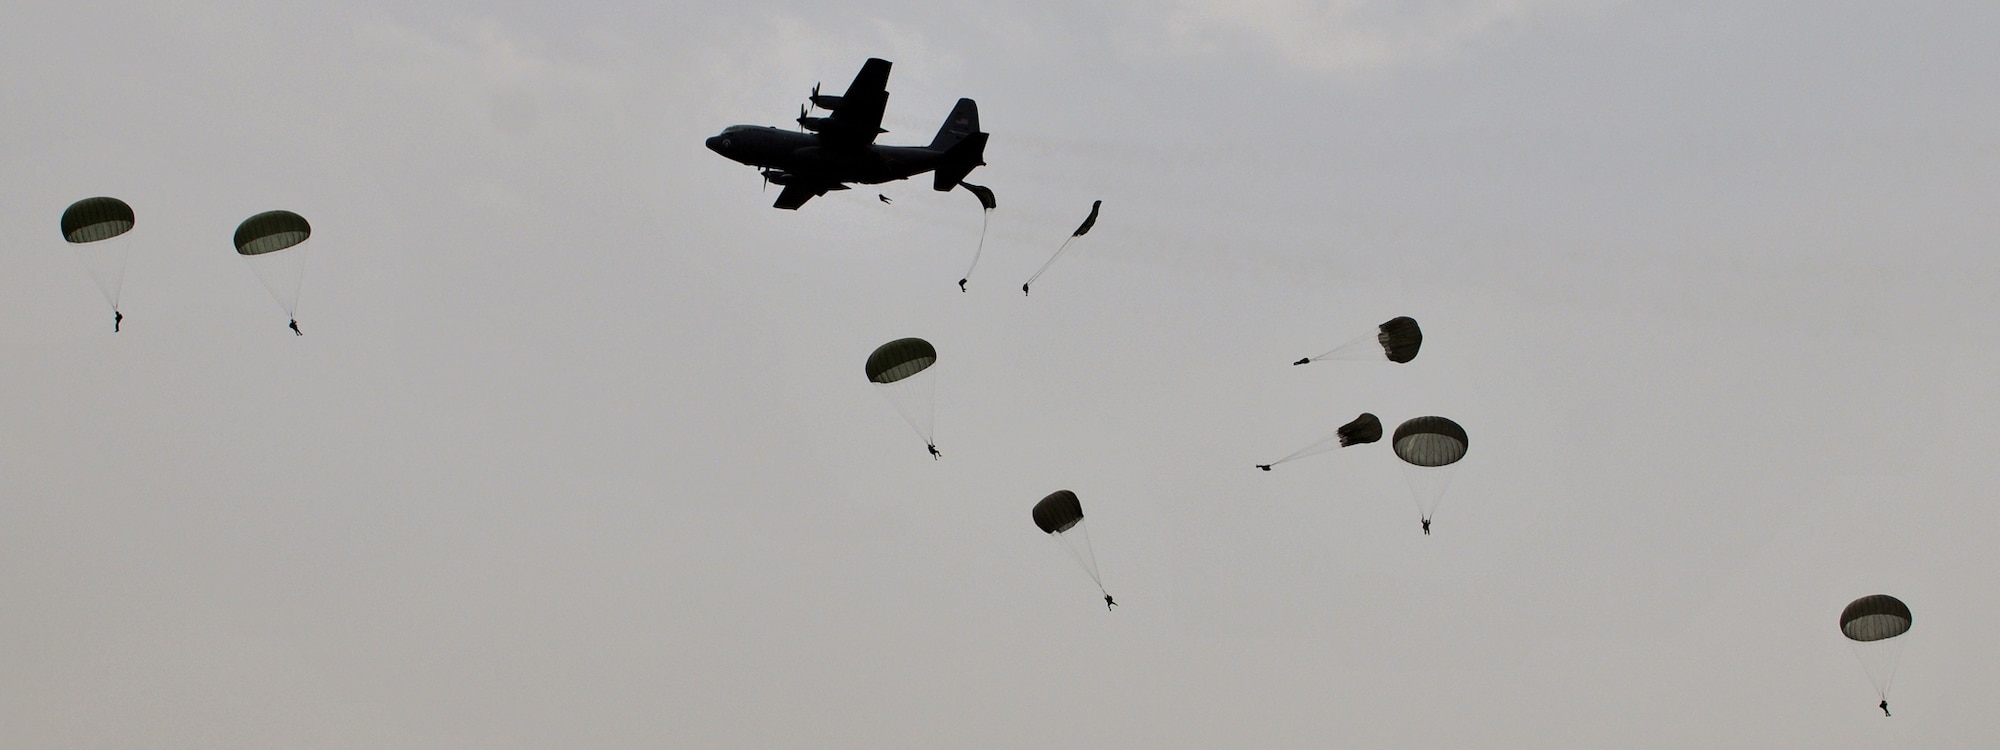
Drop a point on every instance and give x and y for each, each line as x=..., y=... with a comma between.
x=859, y=118
x=796, y=195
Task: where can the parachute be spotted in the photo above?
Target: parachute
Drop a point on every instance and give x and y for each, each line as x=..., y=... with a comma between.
x=1429, y=446
x=1081, y=230
x=1396, y=340
x=269, y=243
x=1873, y=625
x=1366, y=428
x=901, y=370
x=96, y=226
x=1061, y=515
x=987, y=204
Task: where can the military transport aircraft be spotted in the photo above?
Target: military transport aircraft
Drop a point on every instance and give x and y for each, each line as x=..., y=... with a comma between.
x=841, y=148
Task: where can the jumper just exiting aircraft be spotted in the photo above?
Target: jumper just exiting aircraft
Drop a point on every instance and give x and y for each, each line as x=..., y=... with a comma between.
x=829, y=152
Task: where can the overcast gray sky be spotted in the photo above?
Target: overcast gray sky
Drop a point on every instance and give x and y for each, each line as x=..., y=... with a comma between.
x=577, y=451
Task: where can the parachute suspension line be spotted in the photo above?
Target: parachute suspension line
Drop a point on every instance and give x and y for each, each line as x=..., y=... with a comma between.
x=985, y=218
x=1862, y=659
x=298, y=283
x=1322, y=445
x=916, y=402
x=1360, y=348
x=1880, y=655
x=1090, y=567
x=930, y=415
x=1092, y=550
x=118, y=282
x=105, y=263
x=1045, y=266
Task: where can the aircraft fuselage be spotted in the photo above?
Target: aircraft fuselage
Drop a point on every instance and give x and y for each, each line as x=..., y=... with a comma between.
x=805, y=155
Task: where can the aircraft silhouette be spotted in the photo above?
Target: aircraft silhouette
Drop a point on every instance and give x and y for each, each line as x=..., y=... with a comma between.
x=829, y=152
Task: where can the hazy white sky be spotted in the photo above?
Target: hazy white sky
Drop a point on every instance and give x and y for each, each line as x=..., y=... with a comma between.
x=577, y=451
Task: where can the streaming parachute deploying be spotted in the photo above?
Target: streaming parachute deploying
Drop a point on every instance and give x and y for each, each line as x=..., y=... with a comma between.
x=269, y=242
x=1366, y=428
x=987, y=204
x=902, y=371
x=1873, y=624
x=1081, y=230
x=1429, y=446
x=1396, y=340
x=96, y=226
x=1061, y=515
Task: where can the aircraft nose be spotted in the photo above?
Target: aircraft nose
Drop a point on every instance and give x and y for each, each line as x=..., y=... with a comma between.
x=716, y=142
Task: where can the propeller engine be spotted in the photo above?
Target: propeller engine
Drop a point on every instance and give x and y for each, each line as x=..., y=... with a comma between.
x=814, y=124
x=827, y=102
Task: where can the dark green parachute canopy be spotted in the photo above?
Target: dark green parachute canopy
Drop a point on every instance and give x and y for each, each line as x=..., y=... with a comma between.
x=270, y=232
x=900, y=359
x=1430, y=441
x=93, y=219
x=1058, y=512
x=1401, y=338
x=1088, y=221
x=1873, y=618
x=1366, y=428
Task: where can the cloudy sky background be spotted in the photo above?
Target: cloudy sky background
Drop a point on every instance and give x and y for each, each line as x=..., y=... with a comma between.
x=577, y=450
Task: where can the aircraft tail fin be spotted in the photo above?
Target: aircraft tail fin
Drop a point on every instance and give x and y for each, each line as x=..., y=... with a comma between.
x=959, y=161
x=963, y=121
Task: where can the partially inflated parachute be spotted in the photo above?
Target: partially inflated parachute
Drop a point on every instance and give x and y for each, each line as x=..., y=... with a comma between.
x=97, y=227
x=1366, y=428
x=269, y=242
x=1059, y=512
x=986, y=203
x=1428, y=446
x=901, y=370
x=1081, y=230
x=1061, y=515
x=1873, y=624
x=1396, y=340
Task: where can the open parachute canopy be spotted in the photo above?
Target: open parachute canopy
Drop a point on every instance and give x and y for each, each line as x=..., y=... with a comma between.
x=1875, y=617
x=93, y=219
x=1400, y=338
x=270, y=232
x=900, y=359
x=1058, y=512
x=1429, y=442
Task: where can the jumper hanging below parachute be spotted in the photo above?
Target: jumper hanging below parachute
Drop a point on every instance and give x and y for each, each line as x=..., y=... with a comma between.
x=1396, y=341
x=1366, y=428
x=97, y=227
x=901, y=370
x=1429, y=446
x=1874, y=625
x=269, y=242
x=1061, y=515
